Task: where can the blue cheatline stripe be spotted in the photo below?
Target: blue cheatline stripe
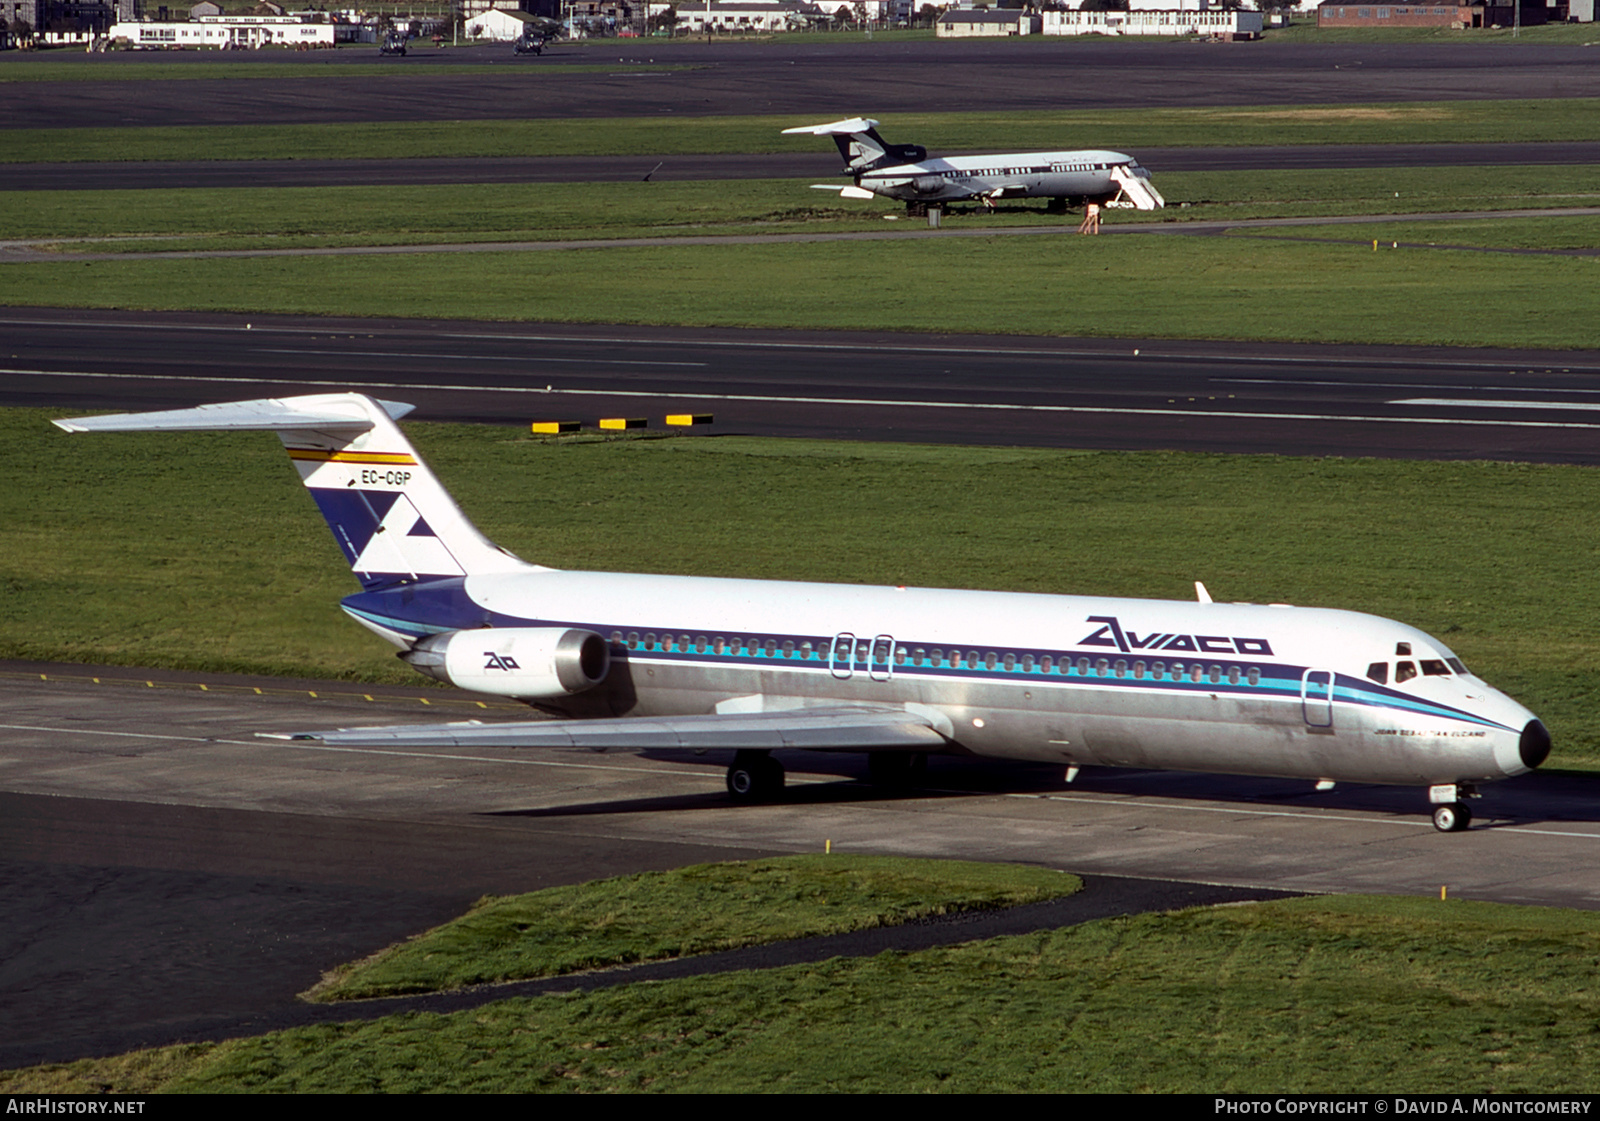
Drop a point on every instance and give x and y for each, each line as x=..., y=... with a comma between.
x=1281, y=682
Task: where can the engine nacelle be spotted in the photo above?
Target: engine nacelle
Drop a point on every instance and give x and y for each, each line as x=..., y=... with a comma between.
x=522, y=662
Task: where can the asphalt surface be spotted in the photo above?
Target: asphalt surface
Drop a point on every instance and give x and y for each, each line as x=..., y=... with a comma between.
x=171, y=876
x=831, y=79
x=1417, y=402
x=155, y=175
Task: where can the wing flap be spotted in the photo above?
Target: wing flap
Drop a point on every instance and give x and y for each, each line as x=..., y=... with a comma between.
x=840, y=728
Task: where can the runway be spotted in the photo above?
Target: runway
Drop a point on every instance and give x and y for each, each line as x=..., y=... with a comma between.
x=667, y=168
x=1399, y=402
x=172, y=876
x=849, y=76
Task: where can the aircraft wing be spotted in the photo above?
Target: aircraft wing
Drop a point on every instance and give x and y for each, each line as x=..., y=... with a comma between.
x=836, y=728
x=849, y=192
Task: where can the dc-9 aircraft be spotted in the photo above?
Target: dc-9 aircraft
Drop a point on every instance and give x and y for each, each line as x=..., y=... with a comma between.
x=904, y=171
x=643, y=662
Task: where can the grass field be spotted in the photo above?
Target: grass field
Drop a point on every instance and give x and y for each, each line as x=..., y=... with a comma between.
x=202, y=551
x=1107, y=286
x=1340, y=995
x=234, y=218
x=1120, y=129
x=700, y=909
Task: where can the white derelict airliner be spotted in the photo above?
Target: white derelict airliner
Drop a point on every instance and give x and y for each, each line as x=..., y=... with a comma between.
x=749, y=666
x=904, y=171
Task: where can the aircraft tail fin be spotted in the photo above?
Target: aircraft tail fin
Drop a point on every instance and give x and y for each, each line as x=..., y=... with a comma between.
x=860, y=144
x=392, y=518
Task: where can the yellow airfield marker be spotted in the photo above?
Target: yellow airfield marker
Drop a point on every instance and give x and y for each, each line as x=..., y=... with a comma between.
x=617, y=423
x=687, y=420
x=554, y=427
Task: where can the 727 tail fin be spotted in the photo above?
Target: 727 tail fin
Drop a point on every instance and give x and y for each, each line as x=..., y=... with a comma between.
x=392, y=519
x=860, y=144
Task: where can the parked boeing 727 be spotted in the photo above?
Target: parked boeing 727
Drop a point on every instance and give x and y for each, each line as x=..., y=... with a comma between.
x=749, y=666
x=904, y=171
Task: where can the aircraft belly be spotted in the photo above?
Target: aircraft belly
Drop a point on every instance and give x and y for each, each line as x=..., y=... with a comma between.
x=1093, y=727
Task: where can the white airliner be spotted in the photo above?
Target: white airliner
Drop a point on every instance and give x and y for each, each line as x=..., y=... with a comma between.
x=749, y=666
x=903, y=171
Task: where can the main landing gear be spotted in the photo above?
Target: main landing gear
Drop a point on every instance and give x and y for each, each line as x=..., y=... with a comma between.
x=1451, y=813
x=754, y=776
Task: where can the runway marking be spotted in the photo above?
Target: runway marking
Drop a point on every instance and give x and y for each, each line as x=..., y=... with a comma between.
x=479, y=358
x=1461, y=402
x=868, y=402
x=1402, y=384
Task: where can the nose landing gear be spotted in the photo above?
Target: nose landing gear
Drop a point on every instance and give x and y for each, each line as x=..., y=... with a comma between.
x=1450, y=811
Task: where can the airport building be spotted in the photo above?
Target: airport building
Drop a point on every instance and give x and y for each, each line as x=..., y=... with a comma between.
x=1228, y=23
x=226, y=32
x=1338, y=13
x=975, y=22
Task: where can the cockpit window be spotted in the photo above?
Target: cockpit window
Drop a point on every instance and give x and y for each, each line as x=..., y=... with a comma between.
x=1379, y=672
x=1433, y=667
x=1455, y=664
x=1403, y=649
x=1404, y=671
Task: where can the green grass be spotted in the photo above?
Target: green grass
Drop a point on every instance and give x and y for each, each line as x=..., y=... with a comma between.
x=234, y=218
x=203, y=552
x=1107, y=286
x=1122, y=129
x=695, y=910
x=1554, y=233
x=1340, y=995
x=1548, y=35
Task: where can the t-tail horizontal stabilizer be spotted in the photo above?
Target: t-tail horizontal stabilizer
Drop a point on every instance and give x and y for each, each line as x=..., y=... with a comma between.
x=860, y=144
x=392, y=519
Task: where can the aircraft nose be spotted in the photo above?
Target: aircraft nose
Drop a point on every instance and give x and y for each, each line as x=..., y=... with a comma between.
x=1534, y=746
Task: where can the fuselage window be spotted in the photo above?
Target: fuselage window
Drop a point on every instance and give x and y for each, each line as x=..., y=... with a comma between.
x=1233, y=675
x=1214, y=674
x=1254, y=676
x=1121, y=668
x=1138, y=670
x=972, y=660
x=918, y=655
x=899, y=655
x=1083, y=667
x=1404, y=671
x=788, y=649
x=1027, y=663
x=1102, y=667
x=683, y=642
x=1435, y=668
x=1046, y=664
x=718, y=646
x=1379, y=672
x=616, y=638
x=1010, y=662
x=1177, y=671
x=806, y=650
x=1158, y=670
x=633, y=640
x=1196, y=672
x=770, y=647
x=666, y=642
x=699, y=644
x=650, y=641
x=936, y=657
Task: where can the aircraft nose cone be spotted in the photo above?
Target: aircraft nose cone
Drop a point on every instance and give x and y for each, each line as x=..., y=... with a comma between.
x=1534, y=747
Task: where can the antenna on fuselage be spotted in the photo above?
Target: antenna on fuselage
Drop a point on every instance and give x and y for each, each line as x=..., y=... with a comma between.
x=1200, y=592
